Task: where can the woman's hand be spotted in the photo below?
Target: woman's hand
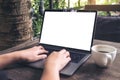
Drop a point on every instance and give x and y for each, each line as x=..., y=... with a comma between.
x=58, y=59
x=29, y=55
x=32, y=54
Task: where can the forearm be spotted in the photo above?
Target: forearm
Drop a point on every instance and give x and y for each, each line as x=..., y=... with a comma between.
x=8, y=58
x=28, y=55
x=50, y=74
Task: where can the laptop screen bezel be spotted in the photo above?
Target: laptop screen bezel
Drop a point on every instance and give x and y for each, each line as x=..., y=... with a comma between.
x=69, y=10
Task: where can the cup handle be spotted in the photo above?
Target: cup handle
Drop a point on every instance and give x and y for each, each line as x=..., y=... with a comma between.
x=109, y=61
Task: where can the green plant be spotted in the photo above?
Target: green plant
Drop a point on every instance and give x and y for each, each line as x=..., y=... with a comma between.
x=37, y=18
x=102, y=13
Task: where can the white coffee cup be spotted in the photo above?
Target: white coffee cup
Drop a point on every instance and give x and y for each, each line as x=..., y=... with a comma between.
x=103, y=55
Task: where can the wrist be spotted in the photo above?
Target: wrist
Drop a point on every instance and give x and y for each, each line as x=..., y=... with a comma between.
x=52, y=67
x=15, y=56
x=8, y=58
x=50, y=73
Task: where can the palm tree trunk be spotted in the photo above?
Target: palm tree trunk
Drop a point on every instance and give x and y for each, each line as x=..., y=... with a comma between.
x=91, y=2
x=15, y=22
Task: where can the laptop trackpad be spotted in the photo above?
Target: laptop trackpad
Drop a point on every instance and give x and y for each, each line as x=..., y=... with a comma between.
x=38, y=64
x=67, y=69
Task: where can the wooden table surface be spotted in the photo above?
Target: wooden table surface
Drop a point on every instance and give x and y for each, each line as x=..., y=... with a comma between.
x=88, y=71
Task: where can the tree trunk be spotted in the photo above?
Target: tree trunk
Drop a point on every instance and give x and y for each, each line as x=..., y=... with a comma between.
x=91, y=2
x=15, y=22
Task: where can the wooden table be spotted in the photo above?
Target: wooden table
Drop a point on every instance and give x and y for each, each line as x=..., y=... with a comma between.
x=89, y=71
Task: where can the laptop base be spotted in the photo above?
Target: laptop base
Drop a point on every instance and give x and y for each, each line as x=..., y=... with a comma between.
x=68, y=70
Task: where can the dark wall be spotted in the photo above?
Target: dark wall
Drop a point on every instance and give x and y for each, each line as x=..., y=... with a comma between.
x=108, y=28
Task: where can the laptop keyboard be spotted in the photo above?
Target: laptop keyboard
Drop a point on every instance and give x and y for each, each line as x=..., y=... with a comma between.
x=75, y=57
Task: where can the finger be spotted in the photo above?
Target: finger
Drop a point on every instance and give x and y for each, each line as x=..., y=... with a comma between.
x=68, y=59
x=43, y=56
x=41, y=47
x=66, y=54
x=42, y=51
x=62, y=51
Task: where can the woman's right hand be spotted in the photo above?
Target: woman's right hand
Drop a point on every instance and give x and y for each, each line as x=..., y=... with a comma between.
x=58, y=59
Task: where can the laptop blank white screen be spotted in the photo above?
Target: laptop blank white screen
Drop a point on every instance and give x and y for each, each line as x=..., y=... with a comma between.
x=68, y=29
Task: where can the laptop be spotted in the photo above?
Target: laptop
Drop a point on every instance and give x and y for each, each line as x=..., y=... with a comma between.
x=72, y=30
